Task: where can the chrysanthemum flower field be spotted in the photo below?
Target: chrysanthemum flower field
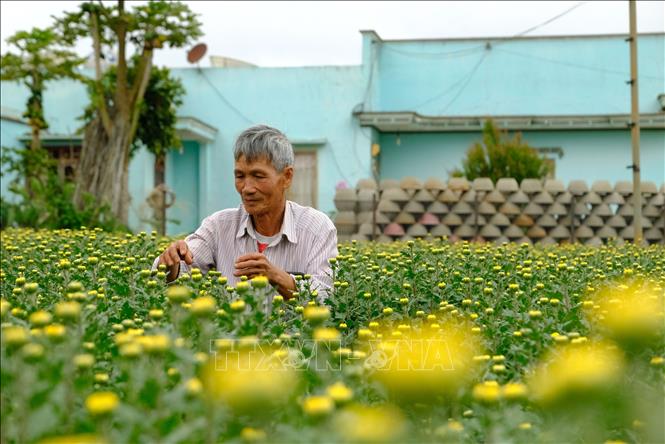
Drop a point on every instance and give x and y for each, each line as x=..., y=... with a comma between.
x=419, y=341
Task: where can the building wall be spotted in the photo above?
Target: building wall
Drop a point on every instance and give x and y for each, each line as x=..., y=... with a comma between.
x=308, y=104
x=10, y=131
x=531, y=76
x=314, y=106
x=588, y=155
x=141, y=182
x=183, y=177
x=311, y=105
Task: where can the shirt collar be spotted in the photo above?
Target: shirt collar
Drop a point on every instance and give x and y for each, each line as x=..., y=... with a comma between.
x=288, y=226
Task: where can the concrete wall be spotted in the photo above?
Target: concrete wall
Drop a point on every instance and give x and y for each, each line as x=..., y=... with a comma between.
x=183, y=176
x=536, y=76
x=591, y=155
x=533, y=76
x=544, y=212
x=141, y=180
x=10, y=131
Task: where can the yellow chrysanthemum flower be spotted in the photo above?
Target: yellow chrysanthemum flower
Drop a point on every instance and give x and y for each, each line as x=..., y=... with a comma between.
x=577, y=370
x=318, y=405
x=339, y=392
x=101, y=403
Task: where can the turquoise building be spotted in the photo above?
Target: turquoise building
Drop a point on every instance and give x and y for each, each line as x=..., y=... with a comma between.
x=412, y=108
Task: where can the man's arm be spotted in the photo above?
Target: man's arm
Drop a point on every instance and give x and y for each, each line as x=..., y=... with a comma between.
x=196, y=251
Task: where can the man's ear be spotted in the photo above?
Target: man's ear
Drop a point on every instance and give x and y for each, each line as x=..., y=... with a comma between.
x=288, y=176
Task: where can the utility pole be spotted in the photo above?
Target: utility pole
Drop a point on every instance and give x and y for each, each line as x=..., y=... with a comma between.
x=635, y=126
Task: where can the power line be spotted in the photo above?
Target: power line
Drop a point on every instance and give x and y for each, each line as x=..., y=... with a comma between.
x=466, y=83
x=371, y=75
x=495, y=41
x=454, y=85
x=438, y=55
x=548, y=21
x=467, y=51
x=573, y=65
x=224, y=99
x=248, y=120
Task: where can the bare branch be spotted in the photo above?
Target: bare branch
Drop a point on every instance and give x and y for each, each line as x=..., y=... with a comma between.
x=143, y=75
x=142, y=71
x=103, y=111
x=121, y=98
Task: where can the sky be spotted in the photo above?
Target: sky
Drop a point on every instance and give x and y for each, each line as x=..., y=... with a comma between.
x=327, y=33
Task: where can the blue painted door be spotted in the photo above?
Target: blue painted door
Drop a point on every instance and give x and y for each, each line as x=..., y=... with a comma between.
x=182, y=177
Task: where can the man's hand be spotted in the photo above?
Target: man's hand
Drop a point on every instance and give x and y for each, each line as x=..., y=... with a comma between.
x=256, y=264
x=172, y=256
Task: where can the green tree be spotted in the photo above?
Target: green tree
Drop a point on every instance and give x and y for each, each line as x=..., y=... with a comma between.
x=157, y=130
x=498, y=156
x=51, y=203
x=36, y=57
x=158, y=116
x=109, y=136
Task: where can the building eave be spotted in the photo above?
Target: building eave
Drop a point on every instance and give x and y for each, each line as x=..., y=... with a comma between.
x=316, y=142
x=54, y=140
x=191, y=128
x=409, y=121
x=188, y=128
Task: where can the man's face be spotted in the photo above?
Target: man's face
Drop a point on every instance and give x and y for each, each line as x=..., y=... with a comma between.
x=261, y=187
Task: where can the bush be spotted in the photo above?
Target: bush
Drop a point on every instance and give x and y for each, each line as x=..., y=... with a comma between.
x=498, y=156
x=45, y=200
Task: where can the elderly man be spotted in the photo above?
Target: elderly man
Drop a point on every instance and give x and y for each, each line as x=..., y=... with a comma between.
x=267, y=234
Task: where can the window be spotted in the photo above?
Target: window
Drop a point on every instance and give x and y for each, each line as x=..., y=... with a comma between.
x=65, y=150
x=67, y=159
x=304, y=186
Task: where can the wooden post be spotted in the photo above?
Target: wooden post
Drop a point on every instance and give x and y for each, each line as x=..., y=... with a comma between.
x=635, y=126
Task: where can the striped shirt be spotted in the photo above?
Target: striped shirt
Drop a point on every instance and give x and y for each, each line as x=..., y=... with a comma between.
x=304, y=245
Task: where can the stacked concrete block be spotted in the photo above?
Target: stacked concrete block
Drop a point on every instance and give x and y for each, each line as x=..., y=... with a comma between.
x=533, y=211
x=598, y=213
x=655, y=211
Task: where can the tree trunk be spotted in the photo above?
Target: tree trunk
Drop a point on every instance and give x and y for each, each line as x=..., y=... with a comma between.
x=160, y=212
x=104, y=168
x=104, y=165
x=35, y=146
x=35, y=116
x=35, y=142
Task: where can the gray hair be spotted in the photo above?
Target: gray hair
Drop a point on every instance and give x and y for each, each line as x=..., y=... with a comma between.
x=264, y=141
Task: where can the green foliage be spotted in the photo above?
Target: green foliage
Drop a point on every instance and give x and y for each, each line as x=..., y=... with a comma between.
x=113, y=129
x=68, y=295
x=39, y=57
x=156, y=127
x=155, y=24
x=498, y=156
x=50, y=204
